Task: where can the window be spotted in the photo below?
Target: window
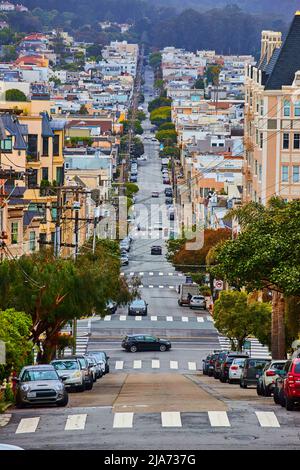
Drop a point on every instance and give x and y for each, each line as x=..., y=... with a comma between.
x=260, y=172
x=296, y=174
x=33, y=179
x=286, y=141
x=284, y=173
x=296, y=141
x=56, y=145
x=45, y=173
x=32, y=146
x=255, y=167
x=297, y=109
x=14, y=233
x=261, y=140
x=45, y=146
x=261, y=107
x=272, y=124
x=286, y=108
x=59, y=175
x=6, y=144
x=32, y=241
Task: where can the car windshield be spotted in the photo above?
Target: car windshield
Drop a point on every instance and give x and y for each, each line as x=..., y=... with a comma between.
x=239, y=362
x=101, y=355
x=138, y=303
x=277, y=365
x=257, y=363
x=65, y=365
x=36, y=375
x=297, y=368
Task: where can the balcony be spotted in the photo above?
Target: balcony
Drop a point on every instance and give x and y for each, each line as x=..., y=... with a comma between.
x=32, y=156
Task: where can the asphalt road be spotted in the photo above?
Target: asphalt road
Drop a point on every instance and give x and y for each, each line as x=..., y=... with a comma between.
x=154, y=400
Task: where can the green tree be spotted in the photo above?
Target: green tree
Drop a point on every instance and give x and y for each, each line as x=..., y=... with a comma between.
x=167, y=137
x=15, y=95
x=15, y=329
x=160, y=115
x=155, y=59
x=199, y=83
x=237, y=317
x=83, y=110
x=170, y=151
x=265, y=255
x=166, y=126
x=137, y=146
x=158, y=103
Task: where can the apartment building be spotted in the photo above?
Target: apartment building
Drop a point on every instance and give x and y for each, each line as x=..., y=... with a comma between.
x=272, y=118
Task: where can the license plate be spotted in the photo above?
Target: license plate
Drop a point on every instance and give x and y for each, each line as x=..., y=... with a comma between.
x=31, y=394
x=257, y=376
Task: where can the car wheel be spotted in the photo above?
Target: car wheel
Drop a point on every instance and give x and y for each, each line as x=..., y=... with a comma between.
x=223, y=379
x=64, y=401
x=258, y=389
x=210, y=373
x=162, y=348
x=81, y=388
x=243, y=384
x=20, y=404
x=216, y=375
x=133, y=348
x=289, y=404
x=267, y=392
x=89, y=385
x=276, y=397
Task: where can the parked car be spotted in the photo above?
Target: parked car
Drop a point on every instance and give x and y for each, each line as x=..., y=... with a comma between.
x=133, y=179
x=253, y=369
x=266, y=382
x=226, y=363
x=94, y=367
x=40, y=384
x=278, y=393
x=124, y=260
x=84, y=364
x=236, y=370
x=207, y=363
x=217, y=363
x=166, y=180
x=102, y=359
x=155, y=194
x=169, y=201
x=198, y=301
x=135, y=343
x=70, y=371
x=138, y=307
x=111, y=307
x=171, y=215
x=125, y=244
x=291, y=385
x=156, y=250
x=169, y=192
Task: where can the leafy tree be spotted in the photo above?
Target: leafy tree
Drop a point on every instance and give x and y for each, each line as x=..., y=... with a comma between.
x=238, y=317
x=155, y=59
x=15, y=95
x=199, y=83
x=9, y=53
x=137, y=128
x=56, y=81
x=213, y=73
x=137, y=146
x=159, y=84
x=160, y=115
x=170, y=151
x=15, y=330
x=83, y=110
x=265, y=255
x=166, y=126
x=167, y=137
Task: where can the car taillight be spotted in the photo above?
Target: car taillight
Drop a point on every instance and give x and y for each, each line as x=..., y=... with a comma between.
x=270, y=373
x=211, y=361
x=234, y=367
x=291, y=379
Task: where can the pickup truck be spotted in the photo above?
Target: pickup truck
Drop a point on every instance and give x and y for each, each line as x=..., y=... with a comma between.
x=184, y=290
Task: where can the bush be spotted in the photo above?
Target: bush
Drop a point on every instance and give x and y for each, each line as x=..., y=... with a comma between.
x=9, y=394
x=169, y=136
x=167, y=126
x=205, y=290
x=15, y=95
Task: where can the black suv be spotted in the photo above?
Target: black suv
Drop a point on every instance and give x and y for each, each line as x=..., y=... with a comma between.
x=226, y=363
x=208, y=363
x=135, y=343
x=253, y=369
x=169, y=192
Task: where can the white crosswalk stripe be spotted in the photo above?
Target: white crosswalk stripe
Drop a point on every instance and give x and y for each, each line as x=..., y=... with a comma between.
x=155, y=364
x=151, y=287
x=218, y=419
x=209, y=318
x=173, y=364
x=137, y=364
x=171, y=419
x=138, y=318
x=75, y=422
x=200, y=319
x=107, y=318
x=5, y=419
x=267, y=419
x=123, y=317
x=192, y=365
x=186, y=319
x=153, y=318
x=119, y=365
x=160, y=287
x=257, y=349
x=169, y=318
x=123, y=420
x=27, y=425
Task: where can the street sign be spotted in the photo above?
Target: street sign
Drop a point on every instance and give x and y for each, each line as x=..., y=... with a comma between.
x=218, y=284
x=2, y=353
x=247, y=345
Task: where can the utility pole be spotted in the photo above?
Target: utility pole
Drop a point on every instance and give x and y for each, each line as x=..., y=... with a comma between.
x=76, y=230
x=96, y=220
x=57, y=239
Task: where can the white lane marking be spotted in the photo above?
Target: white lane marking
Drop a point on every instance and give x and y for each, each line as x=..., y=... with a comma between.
x=200, y=319
x=123, y=317
x=122, y=274
x=173, y=364
x=27, y=425
x=131, y=274
x=138, y=318
x=4, y=419
x=107, y=318
x=141, y=285
x=192, y=365
x=209, y=318
x=123, y=420
x=151, y=274
x=119, y=365
x=267, y=419
x=169, y=318
x=151, y=287
x=185, y=318
x=155, y=364
x=218, y=419
x=171, y=419
x=154, y=318
x=170, y=274
x=171, y=287
x=161, y=287
x=75, y=422
x=141, y=274
x=137, y=364
x=160, y=274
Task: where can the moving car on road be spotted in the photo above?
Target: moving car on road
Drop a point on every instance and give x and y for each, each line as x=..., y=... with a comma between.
x=111, y=307
x=198, y=301
x=124, y=260
x=138, y=307
x=134, y=343
x=40, y=384
x=70, y=371
x=156, y=250
x=253, y=369
x=155, y=194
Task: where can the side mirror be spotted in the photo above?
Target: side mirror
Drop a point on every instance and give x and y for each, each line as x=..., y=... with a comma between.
x=63, y=378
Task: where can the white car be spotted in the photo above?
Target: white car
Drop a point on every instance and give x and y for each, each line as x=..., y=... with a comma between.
x=236, y=370
x=198, y=301
x=143, y=158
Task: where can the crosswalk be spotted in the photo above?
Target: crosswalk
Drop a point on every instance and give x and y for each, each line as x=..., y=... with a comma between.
x=156, y=318
x=82, y=339
x=152, y=364
x=127, y=420
x=152, y=273
x=257, y=349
